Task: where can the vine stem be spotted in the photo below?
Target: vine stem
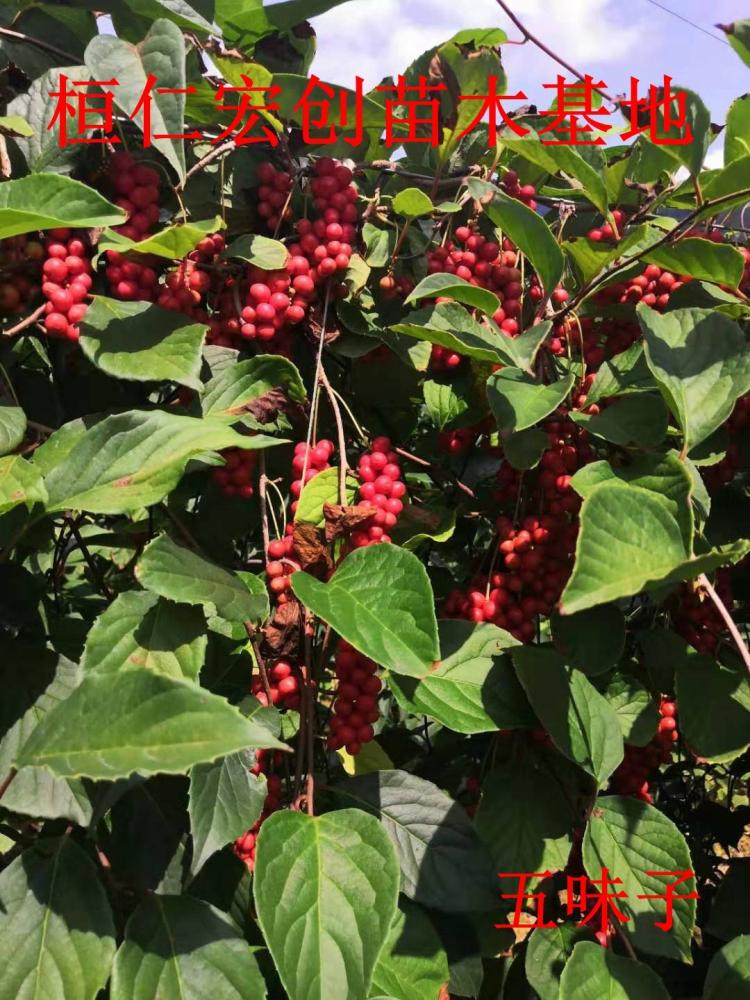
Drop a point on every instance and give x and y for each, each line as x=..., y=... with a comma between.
x=6, y=782
x=316, y=386
x=528, y=37
x=728, y=620
x=263, y=495
x=29, y=320
x=213, y=154
x=21, y=37
x=259, y=660
x=343, y=468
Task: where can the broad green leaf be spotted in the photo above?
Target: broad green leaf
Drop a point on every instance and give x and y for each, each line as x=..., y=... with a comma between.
x=526, y=819
x=450, y=325
x=697, y=118
x=325, y=892
x=431, y=521
x=380, y=244
x=518, y=401
x=630, y=541
x=700, y=360
x=529, y=231
x=260, y=251
x=580, y=722
x=323, y=488
x=701, y=681
x=380, y=600
x=240, y=20
x=586, y=177
x=252, y=390
x=592, y=640
x=60, y=33
x=115, y=724
x=634, y=708
x=61, y=202
x=701, y=259
x=737, y=131
x=628, y=370
x=57, y=935
x=524, y=449
x=372, y=757
x=35, y=680
x=738, y=36
x=42, y=149
x=443, y=862
x=171, y=243
x=140, y=629
x=179, y=574
x=12, y=427
x=729, y=972
x=639, y=420
x=225, y=801
x=411, y=203
x=135, y=459
x=593, y=972
x=161, y=54
x=142, y=342
x=547, y=952
x=20, y=483
x=412, y=964
x=180, y=948
x=631, y=839
x=449, y=401
x=474, y=688
x=451, y=287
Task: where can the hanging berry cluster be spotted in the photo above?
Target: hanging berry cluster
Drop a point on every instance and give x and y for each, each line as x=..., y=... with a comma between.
x=235, y=477
x=356, y=705
x=631, y=777
x=66, y=283
x=20, y=273
x=137, y=188
x=265, y=760
x=283, y=685
x=382, y=487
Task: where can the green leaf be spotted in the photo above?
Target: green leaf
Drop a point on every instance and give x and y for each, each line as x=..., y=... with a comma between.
x=142, y=342
x=580, y=722
x=586, y=177
x=451, y=287
x=729, y=972
x=411, y=203
x=593, y=972
x=628, y=370
x=634, y=708
x=431, y=521
x=700, y=360
x=12, y=427
x=630, y=839
x=450, y=325
x=729, y=914
x=323, y=488
x=697, y=118
x=737, y=130
x=474, y=688
x=57, y=936
x=172, y=243
x=61, y=202
x=547, y=952
x=518, y=401
x=629, y=541
x=42, y=149
x=447, y=402
x=260, y=251
x=640, y=420
x=701, y=681
x=701, y=259
x=380, y=600
x=142, y=630
x=161, y=53
x=180, y=948
x=225, y=801
x=135, y=459
x=380, y=244
x=245, y=391
x=738, y=36
x=20, y=483
x=325, y=891
x=179, y=574
x=529, y=231
x=524, y=449
x=525, y=818
x=443, y=863
x=115, y=724
x=412, y=964
x=592, y=640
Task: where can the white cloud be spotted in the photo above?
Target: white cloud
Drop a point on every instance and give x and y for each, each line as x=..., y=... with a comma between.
x=377, y=38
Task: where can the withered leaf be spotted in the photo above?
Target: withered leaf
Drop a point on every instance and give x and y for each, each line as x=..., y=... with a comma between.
x=282, y=633
x=311, y=550
x=343, y=520
x=266, y=408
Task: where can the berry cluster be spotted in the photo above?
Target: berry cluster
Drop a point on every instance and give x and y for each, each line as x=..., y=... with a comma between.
x=20, y=273
x=283, y=684
x=66, y=283
x=631, y=777
x=393, y=287
x=382, y=487
x=356, y=705
x=716, y=476
x=276, y=299
x=696, y=618
x=280, y=566
x=235, y=477
x=274, y=202
x=184, y=288
x=606, y=233
x=244, y=846
x=308, y=461
x=593, y=339
x=137, y=190
x=512, y=186
x=443, y=359
x=458, y=442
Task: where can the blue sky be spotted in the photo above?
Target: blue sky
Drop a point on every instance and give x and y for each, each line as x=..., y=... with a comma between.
x=612, y=39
